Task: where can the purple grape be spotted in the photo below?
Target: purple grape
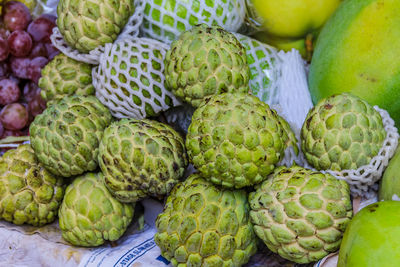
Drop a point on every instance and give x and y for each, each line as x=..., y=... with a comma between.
x=20, y=43
x=36, y=105
x=19, y=66
x=35, y=68
x=9, y=92
x=41, y=28
x=51, y=51
x=38, y=50
x=4, y=69
x=16, y=16
x=14, y=116
x=4, y=50
x=30, y=91
x=11, y=133
x=1, y=129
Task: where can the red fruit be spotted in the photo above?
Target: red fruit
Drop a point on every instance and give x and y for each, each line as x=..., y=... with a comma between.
x=9, y=92
x=36, y=105
x=4, y=50
x=12, y=133
x=41, y=28
x=51, y=51
x=35, y=68
x=4, y=33
x=19, y=67
x=14, y=116
x=4, y=70
x=16, y=16
x=38, y=50
x=20, y=43
x=1, y=129
x=30, y=91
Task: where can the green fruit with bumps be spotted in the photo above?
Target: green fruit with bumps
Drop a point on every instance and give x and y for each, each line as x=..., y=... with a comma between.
x=89, y=215
x=301, y=214
x=28, y=192
x=206, y=61
x=342, y=132
x=204, y=225
x=236, y=140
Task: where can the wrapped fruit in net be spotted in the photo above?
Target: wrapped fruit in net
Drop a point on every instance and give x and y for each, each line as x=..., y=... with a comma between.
x=166, y=20
x=130, y=79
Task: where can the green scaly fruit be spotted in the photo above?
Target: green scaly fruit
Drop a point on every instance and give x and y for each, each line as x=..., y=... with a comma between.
x=236, y=140
x=203, y=225
x=28, y=192
x=66, y=136
x=141, y=158
x=342, y=132
x=64, y=76
x=206, y=61
x=88, y=24
x=301, y=214
x=89, y=215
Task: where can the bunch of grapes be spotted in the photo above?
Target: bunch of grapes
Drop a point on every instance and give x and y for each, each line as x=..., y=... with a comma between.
x=25, y=48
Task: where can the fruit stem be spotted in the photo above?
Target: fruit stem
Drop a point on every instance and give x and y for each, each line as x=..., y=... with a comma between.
x=309, y=47
x=11, y=141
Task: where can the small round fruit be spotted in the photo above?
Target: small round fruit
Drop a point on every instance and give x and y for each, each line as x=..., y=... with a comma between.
x=236, y=140
x=206, y=61
x=16, y=16
x=141, y=158
x=89, y=215
x=14, y=116
x=29, y=193
x=204, y=225
x=4, y=49
x=301, y=214
x=9, y=92
x=41, y=29
x=20, y=43
x=342, y=132
x=66, y=136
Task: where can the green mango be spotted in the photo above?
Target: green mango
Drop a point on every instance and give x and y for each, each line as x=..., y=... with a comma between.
x=358, y=51
x=389, y=187
x=372, y=238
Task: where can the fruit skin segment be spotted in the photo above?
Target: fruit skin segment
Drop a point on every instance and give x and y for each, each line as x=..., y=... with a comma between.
x=301, y=214
x=355, y=51
x=205, y=225
x=372, y=237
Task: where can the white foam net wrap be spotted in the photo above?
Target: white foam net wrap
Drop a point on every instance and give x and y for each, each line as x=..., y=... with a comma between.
x=165, y=20
x=130, y=81
x=264, y=66
x=131, y=29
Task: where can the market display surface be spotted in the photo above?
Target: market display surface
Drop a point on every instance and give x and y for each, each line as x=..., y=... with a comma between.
x=200, y=133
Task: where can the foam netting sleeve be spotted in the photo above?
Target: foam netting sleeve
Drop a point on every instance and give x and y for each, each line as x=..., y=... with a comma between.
x=165, y=20
x=131, y=29
x=130, y=81
x=264, y=64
